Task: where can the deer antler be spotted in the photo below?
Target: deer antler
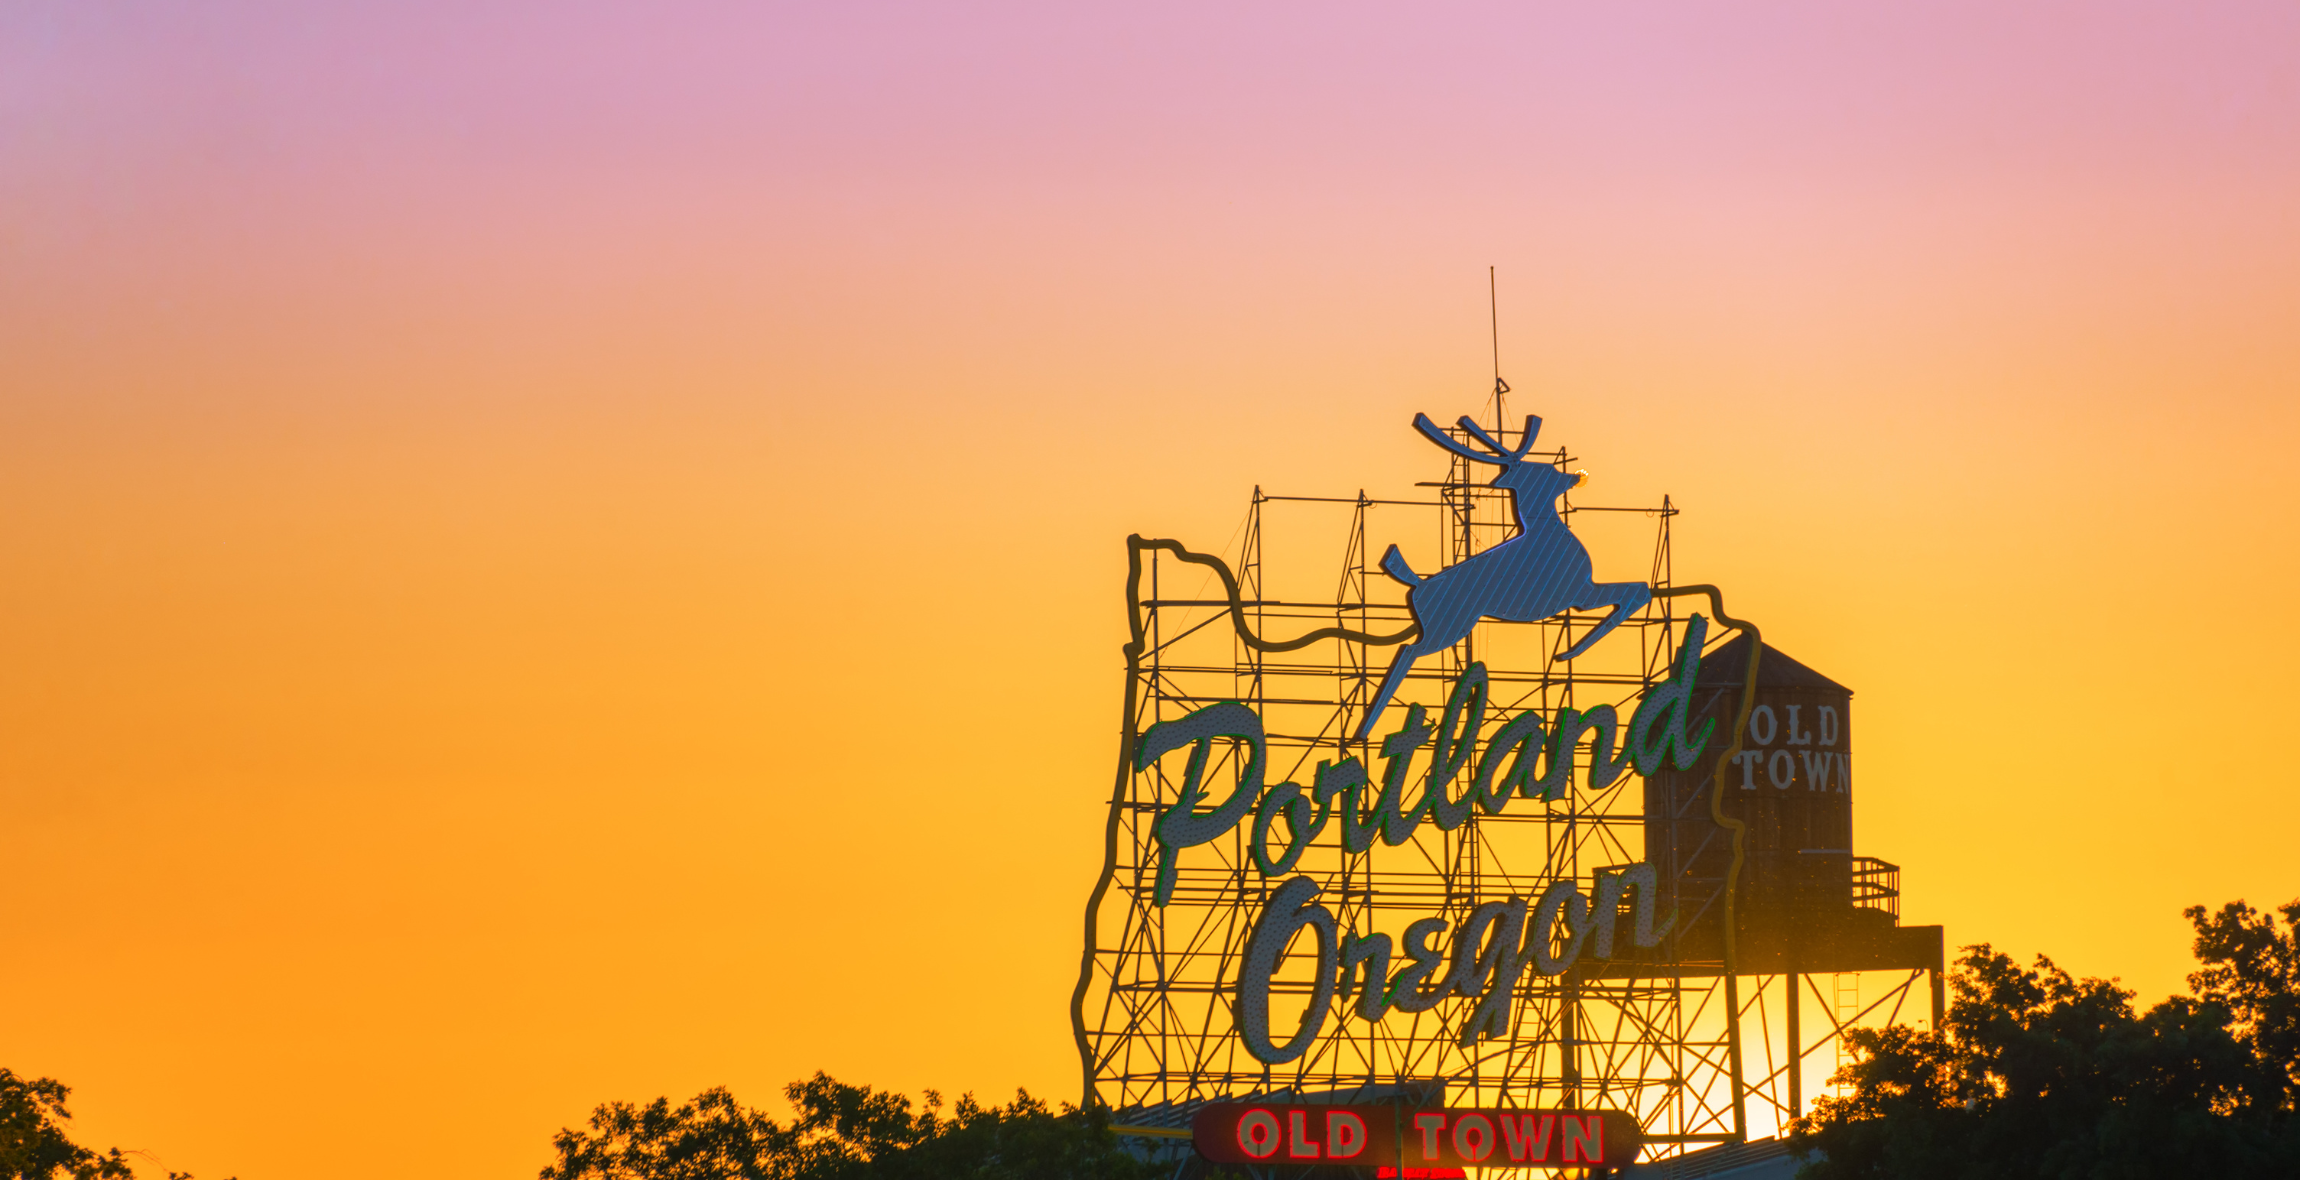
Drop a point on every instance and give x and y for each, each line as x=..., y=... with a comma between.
x=1440, y=437
x=1532, y=428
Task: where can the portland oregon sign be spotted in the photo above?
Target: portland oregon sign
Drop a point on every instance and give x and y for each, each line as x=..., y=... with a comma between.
x=1460, y=855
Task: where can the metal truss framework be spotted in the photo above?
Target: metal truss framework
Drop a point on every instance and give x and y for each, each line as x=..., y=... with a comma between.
x=1697, y=1053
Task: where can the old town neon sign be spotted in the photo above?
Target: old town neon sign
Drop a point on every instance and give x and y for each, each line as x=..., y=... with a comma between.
x=1364, y=1134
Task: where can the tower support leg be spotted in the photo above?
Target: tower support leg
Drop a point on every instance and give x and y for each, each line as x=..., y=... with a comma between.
x=1796, y=1052
x=1733, y=1055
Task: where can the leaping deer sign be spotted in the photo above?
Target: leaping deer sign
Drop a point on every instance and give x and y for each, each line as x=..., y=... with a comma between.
x=1537, y=573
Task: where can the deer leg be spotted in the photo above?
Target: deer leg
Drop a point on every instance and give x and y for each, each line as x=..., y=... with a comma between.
x=1394, y=564
x=1400, y=664
x=1627, y=599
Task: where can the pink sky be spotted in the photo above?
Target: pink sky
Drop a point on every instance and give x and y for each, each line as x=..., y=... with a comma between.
x=462, y=465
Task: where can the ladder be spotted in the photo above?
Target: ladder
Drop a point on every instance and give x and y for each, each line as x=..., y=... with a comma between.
x=1845, y=994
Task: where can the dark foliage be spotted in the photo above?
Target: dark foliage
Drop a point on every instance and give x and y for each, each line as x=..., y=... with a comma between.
x=33, y=1145
x=2253, y=970
x=2037, y=1074
x=842, y=1132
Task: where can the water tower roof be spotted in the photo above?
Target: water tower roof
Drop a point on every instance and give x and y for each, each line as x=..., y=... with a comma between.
x=1723, y=667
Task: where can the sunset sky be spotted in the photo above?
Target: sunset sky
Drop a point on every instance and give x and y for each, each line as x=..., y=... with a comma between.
x=526, y=529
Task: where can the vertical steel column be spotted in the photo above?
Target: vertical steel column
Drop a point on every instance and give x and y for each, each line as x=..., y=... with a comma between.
x=1796, y=1050
x=1738, y=1080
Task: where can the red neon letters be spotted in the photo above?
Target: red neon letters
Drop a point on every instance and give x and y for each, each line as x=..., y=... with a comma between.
x=1408, y=1137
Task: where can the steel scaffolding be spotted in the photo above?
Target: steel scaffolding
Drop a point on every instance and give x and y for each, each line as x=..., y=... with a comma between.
x=1696, y=1052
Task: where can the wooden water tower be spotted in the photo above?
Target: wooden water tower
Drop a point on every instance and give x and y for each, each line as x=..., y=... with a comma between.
x=1803, y=903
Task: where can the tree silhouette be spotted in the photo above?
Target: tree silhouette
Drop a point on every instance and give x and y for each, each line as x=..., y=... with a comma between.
x=841, y=1132
x=2253, y=969
x=33, y=1145
x=2038, y=1074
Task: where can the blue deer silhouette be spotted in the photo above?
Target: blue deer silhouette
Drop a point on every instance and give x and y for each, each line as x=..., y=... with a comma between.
x=1537, y=573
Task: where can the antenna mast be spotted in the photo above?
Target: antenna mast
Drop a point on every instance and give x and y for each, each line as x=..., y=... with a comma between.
x=1500, y=387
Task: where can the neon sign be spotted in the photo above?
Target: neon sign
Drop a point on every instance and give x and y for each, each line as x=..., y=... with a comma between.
x=1492, y=947
x=1399, y=918
x=1367, y=1135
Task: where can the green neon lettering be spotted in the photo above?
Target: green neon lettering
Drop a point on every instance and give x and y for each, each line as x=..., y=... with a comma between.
x=1657, y=737
x=1560, y=899
x=1182, y=825
x=1304, y=820
x=1291, y=907
x=1521, y=740
x=1657, y=740
x=1407, y=993
x=1494, y=979
x=1366, y=973
x=1452, y=747
x=1398, y=751
x=1600, y=724
x=1347, y=780
x=1605, y=908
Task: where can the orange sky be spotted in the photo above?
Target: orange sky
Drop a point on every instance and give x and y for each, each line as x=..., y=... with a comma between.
x=521, y=527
